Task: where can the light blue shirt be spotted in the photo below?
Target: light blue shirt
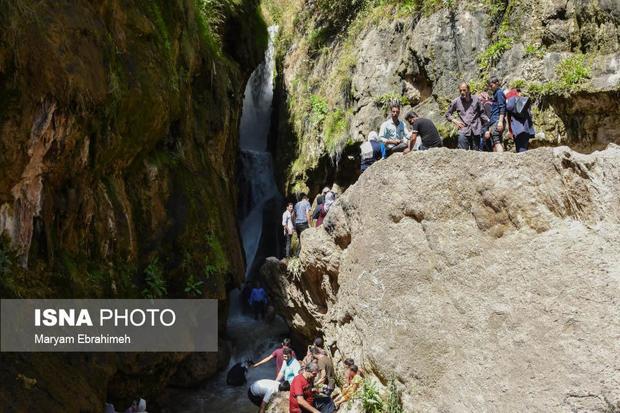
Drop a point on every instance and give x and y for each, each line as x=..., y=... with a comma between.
x=290, y=369
x=301, y=211
x=390, y=131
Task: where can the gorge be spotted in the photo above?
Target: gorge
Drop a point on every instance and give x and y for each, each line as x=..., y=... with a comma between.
x=140, y=157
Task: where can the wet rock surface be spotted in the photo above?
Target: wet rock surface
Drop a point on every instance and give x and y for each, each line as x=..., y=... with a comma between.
x=479, y=281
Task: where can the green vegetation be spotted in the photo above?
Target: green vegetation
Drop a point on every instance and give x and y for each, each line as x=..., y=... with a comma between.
x=571, y=74
x=193, y=286
x=534, y=50
x=394, y=403
x=319, y=108
x=154, y=279
x=489, y=57
x=386, y=100
x=371, y=399
x=293, y=265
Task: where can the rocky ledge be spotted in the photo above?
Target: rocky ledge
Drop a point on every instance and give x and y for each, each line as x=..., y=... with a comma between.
x=480, y=282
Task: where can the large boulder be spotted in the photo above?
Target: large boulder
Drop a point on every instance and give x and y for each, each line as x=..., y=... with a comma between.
x=480, y=282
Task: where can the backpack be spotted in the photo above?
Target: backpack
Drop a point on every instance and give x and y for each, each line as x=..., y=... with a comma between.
x=522, y=106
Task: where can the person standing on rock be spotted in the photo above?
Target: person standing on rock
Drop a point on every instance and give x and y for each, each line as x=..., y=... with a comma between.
x=301, y=398
x=288, y=228
x=330, y=198
x=470, y=120
x=393, y=132
x=302, y=217
x=261, y=392
x=426, y=130
x=498, y=114
x=520, y=120
x=277, y=355
x=318, y=202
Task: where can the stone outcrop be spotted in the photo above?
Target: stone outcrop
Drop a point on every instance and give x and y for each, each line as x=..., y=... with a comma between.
x=480, y=282
x=118, y=150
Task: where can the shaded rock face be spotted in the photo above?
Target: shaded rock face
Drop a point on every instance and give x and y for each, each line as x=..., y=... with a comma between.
x=420, y=58
x=118, y=150
x=479, y=281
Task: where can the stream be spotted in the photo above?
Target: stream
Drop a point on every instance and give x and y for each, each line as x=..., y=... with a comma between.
x=251, y=340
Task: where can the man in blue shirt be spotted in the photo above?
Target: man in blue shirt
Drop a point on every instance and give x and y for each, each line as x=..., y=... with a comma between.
x=498, y=113
x=290, y=368
x=302, y=217
x=258, y=301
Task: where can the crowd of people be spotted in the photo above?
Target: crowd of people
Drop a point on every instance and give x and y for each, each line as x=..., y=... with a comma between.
x=300, y=216
x=311, y=381
x=481, y=121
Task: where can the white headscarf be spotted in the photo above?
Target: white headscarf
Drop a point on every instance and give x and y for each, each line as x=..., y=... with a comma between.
x=372, y=136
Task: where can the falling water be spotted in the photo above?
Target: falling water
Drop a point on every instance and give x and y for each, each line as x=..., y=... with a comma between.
x=250, y=339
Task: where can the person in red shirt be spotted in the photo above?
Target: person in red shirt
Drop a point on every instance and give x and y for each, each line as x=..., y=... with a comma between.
x=277, y=355
x=300, y=397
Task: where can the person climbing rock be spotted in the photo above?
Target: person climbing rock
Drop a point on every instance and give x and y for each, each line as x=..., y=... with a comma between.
x=520, y=120
x=277, y=355
x=288, y=228
x=261, y=392
x=330, y=198
x=470, y=120
x=425, y=128
x=302, y=217
x=301, y=397
x=371, y=151
x=316, y=344
x=320, y=199
x=393, y=132
x=498, y=113
x=326, y=374
x=258, y=301
x=290, y=367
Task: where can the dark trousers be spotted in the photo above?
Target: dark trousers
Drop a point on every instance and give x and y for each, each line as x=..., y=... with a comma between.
x=522, y=141
x=287, y=245
x=299, y=228
x=254, y=399
x=259, y=310
x=397, y=148
x=469, y=142
x=325, y=404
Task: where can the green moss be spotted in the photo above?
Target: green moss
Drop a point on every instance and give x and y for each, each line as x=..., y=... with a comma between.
x=336, y=131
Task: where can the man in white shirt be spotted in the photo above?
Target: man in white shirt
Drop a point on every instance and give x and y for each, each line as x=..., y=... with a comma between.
x=261, y=391
x=288, y=227
x=393, y=132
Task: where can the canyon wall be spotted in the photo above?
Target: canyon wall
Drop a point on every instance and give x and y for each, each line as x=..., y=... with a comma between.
x=341, y=63
x=118, y=150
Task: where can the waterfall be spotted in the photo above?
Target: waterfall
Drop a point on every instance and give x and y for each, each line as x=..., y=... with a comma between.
x=256, y=161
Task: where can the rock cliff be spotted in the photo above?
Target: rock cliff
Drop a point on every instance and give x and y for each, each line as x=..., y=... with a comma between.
x=118, y=149
x=341, y=63
x=480, y=282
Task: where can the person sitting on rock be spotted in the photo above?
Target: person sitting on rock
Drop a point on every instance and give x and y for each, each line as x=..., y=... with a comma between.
x=258, y=301
x=290, y=367
x=277, y=355
x=261, y=392
x=426, y=130
x=393, y=132
x=301, y=395
x=371, y=151
x=470, y=120
x=353, y=382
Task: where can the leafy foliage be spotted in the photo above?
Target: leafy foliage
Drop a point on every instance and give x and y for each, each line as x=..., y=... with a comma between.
x=573, y=70
x=386, y=100
x=193, y=286
x=154, y=279
x=489, y=57
x=394, y=403
x=371, y=399
x=534, y=50
x=319, y=108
